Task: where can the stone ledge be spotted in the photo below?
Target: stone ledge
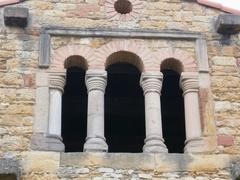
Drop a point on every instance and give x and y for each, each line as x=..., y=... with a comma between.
x=228, y=24
x=16, y=16
x=144, y=161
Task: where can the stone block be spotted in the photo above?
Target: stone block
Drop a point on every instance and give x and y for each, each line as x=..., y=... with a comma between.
x=16, y=16
x=40, y=161
x=228, y=24
x=224, y=61
x=225, y=140
x=113, y=160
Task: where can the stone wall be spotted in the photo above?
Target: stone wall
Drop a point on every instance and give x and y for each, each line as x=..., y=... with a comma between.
x=19, y=55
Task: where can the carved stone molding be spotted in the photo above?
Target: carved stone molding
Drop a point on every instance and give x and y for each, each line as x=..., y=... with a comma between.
x=96, y=80
x=189, y=82
x=151, y=82
x=57, y=81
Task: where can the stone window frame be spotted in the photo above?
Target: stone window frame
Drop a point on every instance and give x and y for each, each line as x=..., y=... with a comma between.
x=41, y=139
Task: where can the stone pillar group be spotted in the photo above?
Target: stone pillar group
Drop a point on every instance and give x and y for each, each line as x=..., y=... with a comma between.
x=151, y=82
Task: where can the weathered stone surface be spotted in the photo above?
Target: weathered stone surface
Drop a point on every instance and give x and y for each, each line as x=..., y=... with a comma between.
x=108, y=159
x=24, y=87
x=225, y=140
x=45, y=162
x=224, y=61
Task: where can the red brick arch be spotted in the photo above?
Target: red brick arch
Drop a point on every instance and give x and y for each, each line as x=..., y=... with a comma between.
x=60, y=55
x=186, y=60
x=137, y=48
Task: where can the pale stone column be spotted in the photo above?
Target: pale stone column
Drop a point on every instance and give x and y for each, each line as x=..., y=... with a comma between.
x=152, y=85
x=54, y=139
x=190, y=85
x=96, y=81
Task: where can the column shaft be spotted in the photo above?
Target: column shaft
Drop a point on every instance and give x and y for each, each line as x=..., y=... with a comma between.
x=96, y=83
x=152, y=84
x=54, y=139
x=55, y=109
x=192, y=117
x=190, y=86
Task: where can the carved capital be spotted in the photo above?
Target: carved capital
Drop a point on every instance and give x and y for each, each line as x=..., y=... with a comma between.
x=57, y=81
x=189, y=82
x=151, y=82
x=96, y=80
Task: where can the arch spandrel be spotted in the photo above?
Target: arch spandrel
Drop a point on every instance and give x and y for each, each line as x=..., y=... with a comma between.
x=131, y=46
x=60, y=55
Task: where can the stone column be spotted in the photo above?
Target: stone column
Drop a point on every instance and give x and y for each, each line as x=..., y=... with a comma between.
x=96, y=81
x=54, y=139
x=190, y=86
x=152, y=85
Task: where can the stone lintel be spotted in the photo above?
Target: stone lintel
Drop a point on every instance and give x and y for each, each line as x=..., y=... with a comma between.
x=16, y=16
x=228, y=24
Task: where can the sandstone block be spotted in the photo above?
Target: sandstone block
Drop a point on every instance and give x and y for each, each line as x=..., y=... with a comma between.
x=225, y=140
x=47, y=162
x=224, y=61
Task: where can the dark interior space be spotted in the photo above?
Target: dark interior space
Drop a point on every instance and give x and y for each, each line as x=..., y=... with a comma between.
x=124, y=109
x=8, y=177
x=74, y=110
x=173, y=119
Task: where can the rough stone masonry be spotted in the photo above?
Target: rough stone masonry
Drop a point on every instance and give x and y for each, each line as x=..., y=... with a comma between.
x=24, y=94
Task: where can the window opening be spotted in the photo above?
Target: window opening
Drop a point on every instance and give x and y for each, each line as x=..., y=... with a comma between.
x=124, y=109
x=172, y=104
x=74, y=110
x=123, y=6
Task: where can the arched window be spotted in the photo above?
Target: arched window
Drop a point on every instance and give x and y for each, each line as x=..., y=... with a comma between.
x=74, y=106
x=172, y=105
x=124, y=109
x=173, y=119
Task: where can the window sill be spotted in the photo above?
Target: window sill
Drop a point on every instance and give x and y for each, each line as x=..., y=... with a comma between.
x=163, y=162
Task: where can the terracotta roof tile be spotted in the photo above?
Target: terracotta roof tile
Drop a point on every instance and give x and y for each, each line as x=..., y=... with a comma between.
x=231, y=6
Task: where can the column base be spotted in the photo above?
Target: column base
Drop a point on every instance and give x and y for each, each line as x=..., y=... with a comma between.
x=95, y=144
x=194, y=145
x=154, y=144
x=43, y=142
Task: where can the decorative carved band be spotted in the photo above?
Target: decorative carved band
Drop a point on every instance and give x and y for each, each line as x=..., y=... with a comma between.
x=151, y=82
x=96, y=80
x=189, y=82
x=57, y=81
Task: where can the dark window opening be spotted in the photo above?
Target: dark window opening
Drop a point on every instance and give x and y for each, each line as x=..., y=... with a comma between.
x=8, y=177
x=124, y=109
x=173, y=119
x=74, y=110
x=123, y=6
